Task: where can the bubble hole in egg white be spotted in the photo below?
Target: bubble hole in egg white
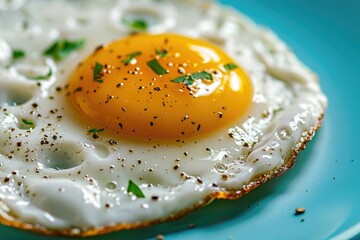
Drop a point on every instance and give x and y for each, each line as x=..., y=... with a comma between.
x=55, y=175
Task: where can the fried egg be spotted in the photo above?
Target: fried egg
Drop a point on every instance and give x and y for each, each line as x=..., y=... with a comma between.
x=130, y=113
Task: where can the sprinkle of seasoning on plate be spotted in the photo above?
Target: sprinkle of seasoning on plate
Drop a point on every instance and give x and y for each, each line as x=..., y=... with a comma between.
x=230, y=66
x=156, y=67
x=299, y=211
x=134, y=189
x=97, y=72
x=130, y=57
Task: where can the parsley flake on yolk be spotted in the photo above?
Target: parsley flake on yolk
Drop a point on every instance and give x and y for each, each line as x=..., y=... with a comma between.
x=179, y=95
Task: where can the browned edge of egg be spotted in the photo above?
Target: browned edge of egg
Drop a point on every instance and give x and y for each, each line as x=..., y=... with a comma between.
x=11, y=221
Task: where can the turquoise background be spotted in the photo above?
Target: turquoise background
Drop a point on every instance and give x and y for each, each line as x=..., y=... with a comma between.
x=325, y=34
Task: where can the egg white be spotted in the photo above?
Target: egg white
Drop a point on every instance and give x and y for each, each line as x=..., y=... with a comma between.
x=61, y=178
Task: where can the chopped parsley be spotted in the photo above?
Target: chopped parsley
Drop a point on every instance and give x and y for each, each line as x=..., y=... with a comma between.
x=7, y=133
x=137, y=24
x=190, y=79
x=130, y=56
x=134, y=189
x=230, y=66
x=95, y=130
x=156, y=67
x=161, y=53
x=43, y=77
x=18, y=54
x=97, y=72
x=202, y=75
x=280, y=109
x=28, y=123
x=187, y=80
x=61, y=48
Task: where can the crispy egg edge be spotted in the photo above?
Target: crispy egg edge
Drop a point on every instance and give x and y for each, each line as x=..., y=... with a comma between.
x=7, y=219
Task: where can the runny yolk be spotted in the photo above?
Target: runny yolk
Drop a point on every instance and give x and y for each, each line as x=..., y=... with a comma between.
x=163, y=86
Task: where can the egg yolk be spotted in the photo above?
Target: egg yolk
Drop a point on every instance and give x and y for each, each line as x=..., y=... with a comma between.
x=160, y=87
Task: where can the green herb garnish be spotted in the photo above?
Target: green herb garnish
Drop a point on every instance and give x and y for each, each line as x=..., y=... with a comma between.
x=137, y=24
x=230, y=66
x=7, y=133
x=190, y=79
x=202, y=75
x=18, y=54
x=187, y=80
x=28, y=123
x=44, y=77
x=161, y=53
x=156, y=67
x=130, y=56
x=95, y=130
x=60, y=49
x=133, y=188
x=97, y=72
x=275, y=111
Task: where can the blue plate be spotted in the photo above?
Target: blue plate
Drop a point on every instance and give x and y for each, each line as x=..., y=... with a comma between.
x=326, y=37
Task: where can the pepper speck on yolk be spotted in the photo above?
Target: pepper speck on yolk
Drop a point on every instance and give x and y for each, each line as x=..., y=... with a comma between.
x=160, y=87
